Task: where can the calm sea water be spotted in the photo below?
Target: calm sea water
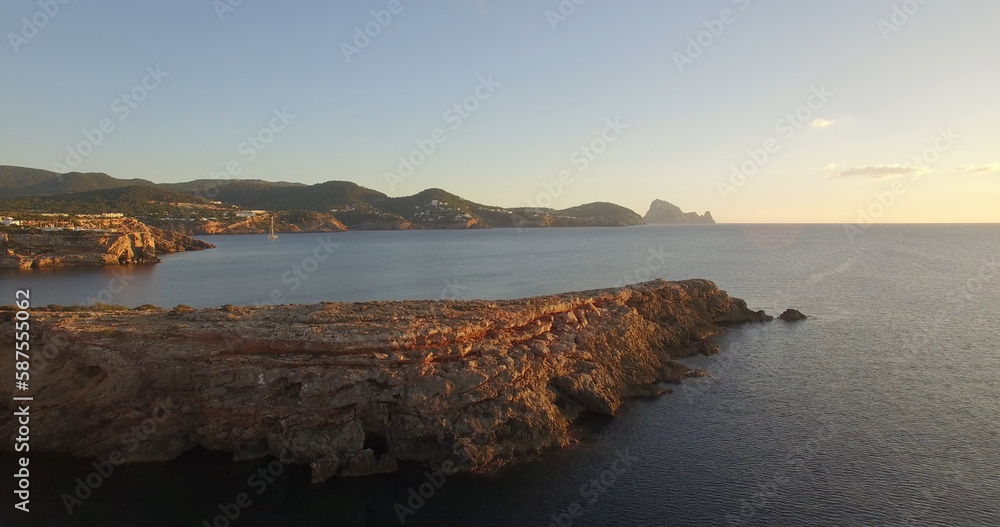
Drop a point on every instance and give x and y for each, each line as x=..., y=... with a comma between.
x=883, y=409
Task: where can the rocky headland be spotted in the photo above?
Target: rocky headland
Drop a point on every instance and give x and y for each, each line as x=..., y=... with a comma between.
x=355, y=389
x=130, y=242
x=665, y=213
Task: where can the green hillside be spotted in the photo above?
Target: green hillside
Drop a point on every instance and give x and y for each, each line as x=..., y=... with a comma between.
x=30, y=190
x=132, y=201
x=24, y=182
x=19, y=177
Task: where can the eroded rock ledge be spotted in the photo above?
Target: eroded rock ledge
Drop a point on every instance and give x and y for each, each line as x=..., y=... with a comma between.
x=352, y=389
x=130, y=242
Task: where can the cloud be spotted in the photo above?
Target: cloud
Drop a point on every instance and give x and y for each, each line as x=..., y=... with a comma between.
x=992, y=168
x=821, y=124
x=875, y=172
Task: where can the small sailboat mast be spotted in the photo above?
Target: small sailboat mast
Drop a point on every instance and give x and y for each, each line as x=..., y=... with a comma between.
x=272, y=235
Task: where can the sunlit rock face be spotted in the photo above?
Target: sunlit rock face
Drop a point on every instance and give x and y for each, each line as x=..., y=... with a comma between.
x=353, y=389
x=132, y=242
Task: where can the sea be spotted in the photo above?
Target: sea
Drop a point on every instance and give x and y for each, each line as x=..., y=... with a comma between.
x=882, y=409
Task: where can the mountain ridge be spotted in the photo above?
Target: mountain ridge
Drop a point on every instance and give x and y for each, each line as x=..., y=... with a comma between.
x=26, y=190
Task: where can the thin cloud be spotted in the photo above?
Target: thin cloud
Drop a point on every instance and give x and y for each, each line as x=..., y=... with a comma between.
x=821, y=124
x=992, y=168
x=875, y=171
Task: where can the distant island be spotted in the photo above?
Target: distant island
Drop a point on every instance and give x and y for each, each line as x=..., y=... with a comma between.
x=664, y=213
x=41, y=198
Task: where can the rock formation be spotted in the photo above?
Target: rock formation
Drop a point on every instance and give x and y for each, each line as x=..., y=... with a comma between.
x=285, y=222
x=353, y=389
x=792, y=315
x=663, y=213
x=132, y=243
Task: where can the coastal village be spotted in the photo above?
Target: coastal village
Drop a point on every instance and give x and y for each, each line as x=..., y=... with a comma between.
x=106, y=221
x=58, y=222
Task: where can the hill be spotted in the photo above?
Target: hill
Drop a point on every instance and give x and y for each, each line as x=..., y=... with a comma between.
x=208, y=205
x=20, y=177
x=21, y=182
x=136, y=201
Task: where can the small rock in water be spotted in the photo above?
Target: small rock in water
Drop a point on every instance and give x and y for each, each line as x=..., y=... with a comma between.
x=793, y=315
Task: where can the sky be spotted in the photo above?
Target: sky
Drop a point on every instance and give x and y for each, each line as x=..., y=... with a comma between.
x=759, y=111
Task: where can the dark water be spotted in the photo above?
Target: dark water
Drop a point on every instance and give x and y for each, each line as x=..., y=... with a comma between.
x=882, y=409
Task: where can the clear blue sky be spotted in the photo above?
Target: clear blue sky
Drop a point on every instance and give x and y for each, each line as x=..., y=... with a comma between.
x=892, y=91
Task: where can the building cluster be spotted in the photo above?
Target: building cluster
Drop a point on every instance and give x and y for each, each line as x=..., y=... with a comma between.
x=102, y=216
x=439, y=211
x=58, y=222
x=251, y=213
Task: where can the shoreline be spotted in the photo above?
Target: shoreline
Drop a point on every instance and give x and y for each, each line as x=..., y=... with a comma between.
x=357, y=389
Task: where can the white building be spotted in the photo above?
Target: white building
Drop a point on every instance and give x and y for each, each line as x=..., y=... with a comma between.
x=7, y=222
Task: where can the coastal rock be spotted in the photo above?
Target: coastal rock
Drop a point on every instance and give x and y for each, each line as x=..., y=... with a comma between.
x=132, y=243
x=165, y=241
x=664, y=213
x=284, y=222
x=792, y=315
x=355, y=389
x=64, y=249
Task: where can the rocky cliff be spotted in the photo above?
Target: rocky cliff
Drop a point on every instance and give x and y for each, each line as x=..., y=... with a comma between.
x=664, y=213
x=353, y=389
x=285, y=222
x=130, y=243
